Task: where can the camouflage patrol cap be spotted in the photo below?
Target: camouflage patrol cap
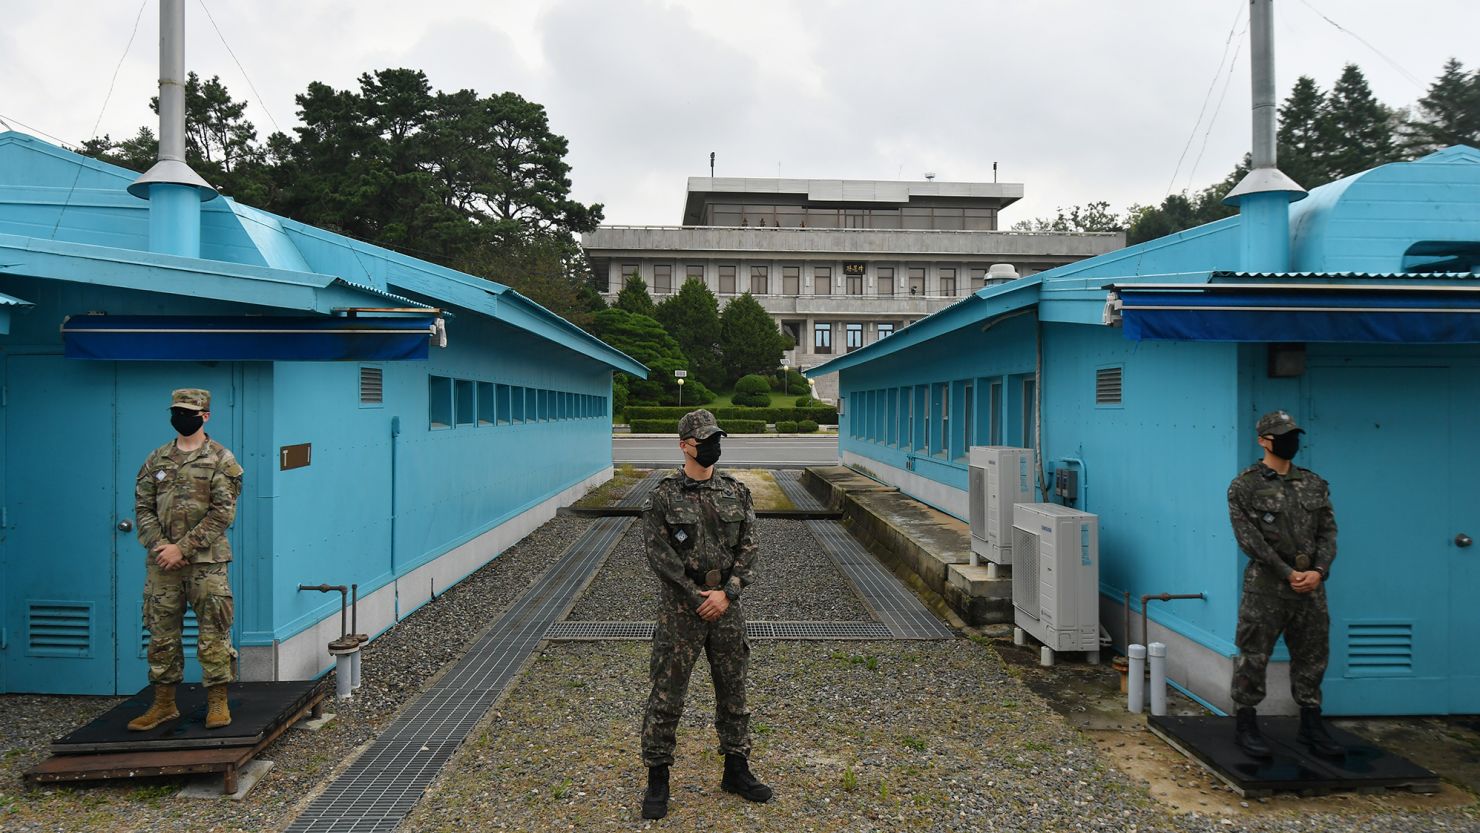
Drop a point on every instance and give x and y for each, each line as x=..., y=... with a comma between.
x=193, y=398
x=1276, y=423
x=700, y=425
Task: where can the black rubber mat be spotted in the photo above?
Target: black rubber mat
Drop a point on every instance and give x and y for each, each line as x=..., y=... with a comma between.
x=1291, y=767
x=256, y=709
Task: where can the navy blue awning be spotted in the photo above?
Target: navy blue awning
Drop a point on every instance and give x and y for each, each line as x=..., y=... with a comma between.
x=247, y=338
x=1294, y=313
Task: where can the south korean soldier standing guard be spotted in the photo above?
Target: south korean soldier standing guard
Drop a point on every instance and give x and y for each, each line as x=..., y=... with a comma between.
x=1283, y=520
x=185, y=498
x=699, y=526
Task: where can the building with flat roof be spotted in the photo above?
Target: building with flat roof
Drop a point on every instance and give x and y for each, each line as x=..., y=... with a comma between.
x=838, y=263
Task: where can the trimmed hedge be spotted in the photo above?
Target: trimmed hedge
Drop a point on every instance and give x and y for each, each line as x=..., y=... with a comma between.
x=821, y=414
x=670, y=426
x=786, y=426
x=806, y=426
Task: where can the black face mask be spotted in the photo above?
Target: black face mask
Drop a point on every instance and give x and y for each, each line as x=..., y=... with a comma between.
x=1285, y=446
x=185, y=421
x=706, y=453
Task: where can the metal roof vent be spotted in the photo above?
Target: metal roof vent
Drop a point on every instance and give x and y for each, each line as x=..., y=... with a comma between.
x=1000, y=273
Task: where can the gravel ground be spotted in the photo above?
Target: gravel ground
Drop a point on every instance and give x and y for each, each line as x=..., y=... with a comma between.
x=396, y=667
x=798, y=582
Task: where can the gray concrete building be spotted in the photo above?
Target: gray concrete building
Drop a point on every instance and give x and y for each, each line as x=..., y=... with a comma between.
x=838, y=263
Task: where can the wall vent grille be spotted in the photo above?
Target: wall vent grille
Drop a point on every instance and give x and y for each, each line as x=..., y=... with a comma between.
x=59, y=629
x=372, y=389
x=1379, y=649
x=1108, y=385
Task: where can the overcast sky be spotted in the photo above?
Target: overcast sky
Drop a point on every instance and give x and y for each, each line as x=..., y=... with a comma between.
x=1079, y=100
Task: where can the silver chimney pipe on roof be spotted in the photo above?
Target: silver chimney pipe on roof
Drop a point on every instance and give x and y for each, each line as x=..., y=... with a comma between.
x=1264, y=195
x=174, y=191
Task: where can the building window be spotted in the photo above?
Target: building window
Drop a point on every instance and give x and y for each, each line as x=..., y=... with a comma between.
x=760, y=280
x=630, y=270
x=921, y=422
x=465, y=402
x=822, y=338
x=978, y=278
x=822, y=218
x=759, y=215
x=855, y=284
x=891, y=416
x=822, y=280
x=854, y=336
x=943, y=407
x=906, y=418
x=487, y=407
x=947, y=219
x=724, y=215
x=1030, y=405
x=917, y=280
x=914, y=218
x=516, y=406
x=967, y=413
x=663, y=278
x=885, y=277
x=994, y=418
x=693, y=272
x=439, y=402
x=948, y=282
x=727, y=280
x=505, y=415
x=791, y=216
x=886, y=329
x=791, y=280
x=980, y=219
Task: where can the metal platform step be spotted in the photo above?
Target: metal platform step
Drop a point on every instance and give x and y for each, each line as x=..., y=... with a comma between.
x=889, y=600
x=791, y=486
x=602, y=631
x=383, y=784
x=639, y=491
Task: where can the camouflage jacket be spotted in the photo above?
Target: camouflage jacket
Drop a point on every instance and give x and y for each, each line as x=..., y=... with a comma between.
x=1283, y=523
x=189, y=498
x=694, y=526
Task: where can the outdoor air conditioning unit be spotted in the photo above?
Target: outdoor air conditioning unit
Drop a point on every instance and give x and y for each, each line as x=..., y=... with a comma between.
x=1056, y=575
x=999, y=477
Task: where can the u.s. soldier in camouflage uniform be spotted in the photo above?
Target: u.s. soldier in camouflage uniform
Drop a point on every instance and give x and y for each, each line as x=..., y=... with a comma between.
x=1283, y=520
x=699, y=528
x=185, y=497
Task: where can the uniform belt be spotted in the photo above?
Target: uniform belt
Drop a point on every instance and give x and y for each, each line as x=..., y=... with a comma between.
x=702, y=578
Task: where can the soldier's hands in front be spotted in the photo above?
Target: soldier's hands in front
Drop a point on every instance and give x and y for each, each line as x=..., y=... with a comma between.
x=714, y=606
x=1305, y=581
x=168, y=556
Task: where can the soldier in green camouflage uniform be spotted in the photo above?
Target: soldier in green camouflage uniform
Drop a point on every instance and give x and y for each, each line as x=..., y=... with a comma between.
x=1283, y=520
x=185, y=497
x=699, y=527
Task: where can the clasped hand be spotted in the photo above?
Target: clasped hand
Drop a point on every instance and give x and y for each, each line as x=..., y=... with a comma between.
x=168, y=556
x=714, y=606
x=1305, y=581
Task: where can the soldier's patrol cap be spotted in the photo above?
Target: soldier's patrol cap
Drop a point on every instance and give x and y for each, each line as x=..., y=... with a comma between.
x=700, y=425
x=1276, y=423
x=193, y=398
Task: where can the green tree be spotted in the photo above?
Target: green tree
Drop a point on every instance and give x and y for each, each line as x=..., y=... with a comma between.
x=1448, y=114
x=1364, y=124
x=644, y=339
x=1094, y=216
x=550, y=270
x=1305, y=138
x=749, y=340
x=691, y=316
x=752, y=391
x=634, y=298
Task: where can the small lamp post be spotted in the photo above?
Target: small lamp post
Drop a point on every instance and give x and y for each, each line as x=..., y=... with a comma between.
x=785, y=378
x=680, y=391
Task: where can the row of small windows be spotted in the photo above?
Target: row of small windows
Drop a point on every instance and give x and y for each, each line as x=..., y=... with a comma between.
x=911, y=280
x=458, y=402
x=924, y=218
x=944, y=419
x=822, y=335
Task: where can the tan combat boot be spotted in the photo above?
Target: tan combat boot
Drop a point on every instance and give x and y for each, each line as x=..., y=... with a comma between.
x=217, y=713
x=162, y=710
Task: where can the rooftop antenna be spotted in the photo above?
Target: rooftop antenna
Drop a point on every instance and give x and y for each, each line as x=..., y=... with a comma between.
x=930, y=176
x=994, y=173
x=711, y=164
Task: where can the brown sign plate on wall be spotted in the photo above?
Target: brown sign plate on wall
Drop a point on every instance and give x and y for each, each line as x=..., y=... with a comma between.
x=295, y=456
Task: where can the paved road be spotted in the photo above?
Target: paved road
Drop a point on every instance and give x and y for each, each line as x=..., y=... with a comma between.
x=744, y=452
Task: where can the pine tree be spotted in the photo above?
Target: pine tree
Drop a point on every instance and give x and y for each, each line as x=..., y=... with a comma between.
x=691, y=316
x=1360, y=126
x=635, y=299
x=1449, y=114
x=1305, y=138
x=749, y=340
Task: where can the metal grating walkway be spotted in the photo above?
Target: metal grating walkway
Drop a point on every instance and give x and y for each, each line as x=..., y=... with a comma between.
x=377, y=791
x=639, y=491
x=791, y=486
x=882, y=593
x=601, y=631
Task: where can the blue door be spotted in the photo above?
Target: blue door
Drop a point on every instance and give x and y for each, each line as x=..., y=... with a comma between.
x=1397, y=445
x=143, y=424
x=59, y=532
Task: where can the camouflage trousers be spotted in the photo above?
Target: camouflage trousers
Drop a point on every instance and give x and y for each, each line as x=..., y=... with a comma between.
x=679, y=638
x=1306, y=624
x=207, y=590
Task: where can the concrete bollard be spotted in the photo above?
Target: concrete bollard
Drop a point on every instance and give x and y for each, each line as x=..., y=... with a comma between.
x=1157, y=652
x=1135, y=698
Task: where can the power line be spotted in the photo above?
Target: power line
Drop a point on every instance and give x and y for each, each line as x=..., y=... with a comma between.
x=1227, y=80
x=38, y=131
x=229, y=51
x=1412, y=79
x=1232, y=31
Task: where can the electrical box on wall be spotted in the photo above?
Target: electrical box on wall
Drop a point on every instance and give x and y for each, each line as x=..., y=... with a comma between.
x=1066, y=485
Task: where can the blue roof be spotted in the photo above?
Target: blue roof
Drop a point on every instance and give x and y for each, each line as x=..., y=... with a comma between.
x=63, y=215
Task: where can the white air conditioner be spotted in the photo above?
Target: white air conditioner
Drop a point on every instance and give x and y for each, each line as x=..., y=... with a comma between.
x=999, y=477
x=1056, y=575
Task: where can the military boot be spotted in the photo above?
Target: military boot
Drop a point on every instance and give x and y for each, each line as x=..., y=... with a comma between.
x=1246, y=733
x=655, y=800
x=217, y=712
x=162, y=710
x=1313, y=734
x=739, y=781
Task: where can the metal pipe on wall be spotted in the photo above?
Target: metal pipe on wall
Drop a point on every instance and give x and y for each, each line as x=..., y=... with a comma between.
x=1160, y=597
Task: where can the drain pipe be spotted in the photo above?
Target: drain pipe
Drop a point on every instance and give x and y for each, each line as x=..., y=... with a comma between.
x=1161, y=597
x=1135, y=692
x=346, y=648
x=1157, y=654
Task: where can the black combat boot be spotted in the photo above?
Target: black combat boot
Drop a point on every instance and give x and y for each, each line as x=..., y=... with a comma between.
x=739, y=781
x=1247, y=733
x=1313, y=734
x=655, y=800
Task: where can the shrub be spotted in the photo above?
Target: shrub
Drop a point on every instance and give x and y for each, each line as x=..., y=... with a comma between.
x=807, y=402
x=821, y=414
x=743, y=426
x=786, y=426
x=694, y=394
x=796, y=383
x=806, y=426
x=654, y=426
